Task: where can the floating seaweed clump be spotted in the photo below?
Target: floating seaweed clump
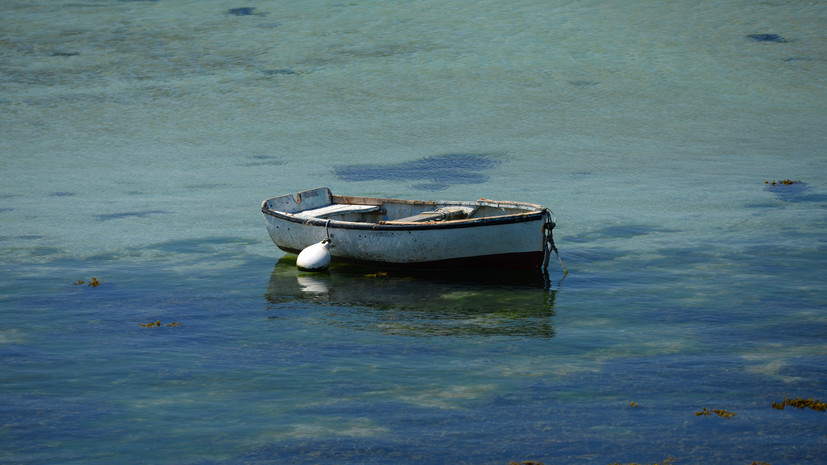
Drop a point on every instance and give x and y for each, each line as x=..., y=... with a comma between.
x=380, y=274
x=721, y=413
x=800, y=403
x=633, y=404
x=527, y=462
x=157, y=324
x=783, y=182
x=94, y=282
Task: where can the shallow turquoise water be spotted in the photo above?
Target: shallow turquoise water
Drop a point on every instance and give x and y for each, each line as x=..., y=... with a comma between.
x=138, y=138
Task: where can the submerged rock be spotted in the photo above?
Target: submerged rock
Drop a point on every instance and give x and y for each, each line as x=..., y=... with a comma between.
x=243, y=11
x=767, y=38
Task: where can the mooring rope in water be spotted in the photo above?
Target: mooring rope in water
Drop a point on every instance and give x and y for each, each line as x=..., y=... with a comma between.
x=556, y=252
x=549, y=246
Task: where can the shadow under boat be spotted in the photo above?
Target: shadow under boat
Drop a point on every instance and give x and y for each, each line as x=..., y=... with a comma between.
x=421, y=302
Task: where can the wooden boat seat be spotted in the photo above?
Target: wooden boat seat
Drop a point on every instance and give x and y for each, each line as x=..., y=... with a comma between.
x=440, y=214
x=337, y=209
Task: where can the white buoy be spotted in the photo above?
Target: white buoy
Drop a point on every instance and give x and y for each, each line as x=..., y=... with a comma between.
x=315, y=257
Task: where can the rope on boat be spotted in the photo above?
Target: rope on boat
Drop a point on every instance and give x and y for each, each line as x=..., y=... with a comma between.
x=548, y=244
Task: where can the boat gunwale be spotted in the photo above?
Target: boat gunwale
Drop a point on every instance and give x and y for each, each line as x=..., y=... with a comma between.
x=533, y=212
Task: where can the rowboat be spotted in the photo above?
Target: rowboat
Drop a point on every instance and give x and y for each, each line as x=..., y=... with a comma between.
x=413, y=233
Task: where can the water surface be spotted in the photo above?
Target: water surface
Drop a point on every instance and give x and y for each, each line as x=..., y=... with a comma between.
x=138, y=139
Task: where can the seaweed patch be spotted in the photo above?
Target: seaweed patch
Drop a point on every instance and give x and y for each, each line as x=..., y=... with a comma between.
x=94, y=282
x=801, y=403
x=441, y=170
x=789, y=190
x=720, y=412
x=158, y=324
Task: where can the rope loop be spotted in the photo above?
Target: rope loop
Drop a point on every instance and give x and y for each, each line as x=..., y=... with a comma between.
x=548, y=242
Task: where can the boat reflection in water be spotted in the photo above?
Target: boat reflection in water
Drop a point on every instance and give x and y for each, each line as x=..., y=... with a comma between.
x=417, y=302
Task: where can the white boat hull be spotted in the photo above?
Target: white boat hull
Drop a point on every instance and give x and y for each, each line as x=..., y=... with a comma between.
x=515, y=241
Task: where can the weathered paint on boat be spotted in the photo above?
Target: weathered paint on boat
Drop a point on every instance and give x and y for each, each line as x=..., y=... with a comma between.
x=392, y=232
